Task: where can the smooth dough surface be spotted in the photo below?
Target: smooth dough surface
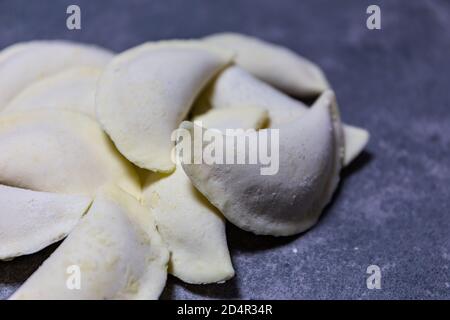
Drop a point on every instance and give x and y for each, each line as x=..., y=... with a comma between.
x=31, y=221
x=60, y=151
x=274, y=64
x=290, y=201
x=24, y=63
x=72, y=89
x=146, y=92
x=118, y=252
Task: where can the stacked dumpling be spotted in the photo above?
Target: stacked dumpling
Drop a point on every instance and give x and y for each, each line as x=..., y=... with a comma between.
x=86, y=154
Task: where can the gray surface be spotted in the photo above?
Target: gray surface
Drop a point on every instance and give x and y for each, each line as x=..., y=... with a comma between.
x=392, y=208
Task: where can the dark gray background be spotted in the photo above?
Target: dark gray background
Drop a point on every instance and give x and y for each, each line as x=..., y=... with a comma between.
x=392, y=207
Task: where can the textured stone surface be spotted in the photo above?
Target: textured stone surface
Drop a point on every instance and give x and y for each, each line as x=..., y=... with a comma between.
x=393, y=205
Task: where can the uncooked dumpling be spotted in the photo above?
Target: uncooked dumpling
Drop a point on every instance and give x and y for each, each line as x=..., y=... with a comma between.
x=118, y=252
x=234, y=86
x=192, y=228
x=147, y=91
x=31, y=221
x=290, y=201
x=24, y=63
x=72, y=89
x=60, y=151
x=274, y=64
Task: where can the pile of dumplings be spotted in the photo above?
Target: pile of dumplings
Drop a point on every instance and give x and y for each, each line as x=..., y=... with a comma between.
x=85, y=156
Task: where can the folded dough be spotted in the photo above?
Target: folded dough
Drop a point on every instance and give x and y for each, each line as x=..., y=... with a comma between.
x=72, y=89
x=292, y=200
x=274, y=64
x=60, y=151
x=31, y=221
x=234, y=86
x=24, y=63
x=117, y=249
x=147, y=91
x=192, y=228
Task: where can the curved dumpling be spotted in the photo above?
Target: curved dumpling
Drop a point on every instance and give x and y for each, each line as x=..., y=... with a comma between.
x=147, y=91
x=115, y=247
x=234, y=86
x=274, y=64
x=60, y=151
x=72, y=89
x=192, y=228
x=291, y=200
x=30, y=220
x=24, y=63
